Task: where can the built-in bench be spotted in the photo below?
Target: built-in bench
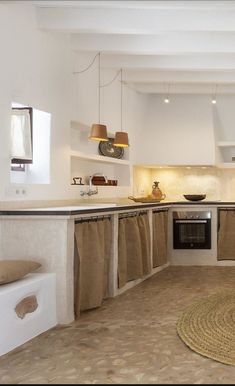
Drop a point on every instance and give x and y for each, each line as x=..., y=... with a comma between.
x=27, y=308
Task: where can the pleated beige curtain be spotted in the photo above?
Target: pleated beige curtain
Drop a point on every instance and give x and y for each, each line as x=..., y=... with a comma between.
x=160, y=223
x=91, y=264
x=144, y=230
x=106, y=236
x=77, y=268
x=226, y=235
x=133, y=249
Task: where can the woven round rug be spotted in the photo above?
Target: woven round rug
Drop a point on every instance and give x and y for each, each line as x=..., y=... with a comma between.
x=208, y=327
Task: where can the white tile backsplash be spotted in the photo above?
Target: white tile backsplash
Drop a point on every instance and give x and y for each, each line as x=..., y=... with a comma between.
x=217, y=184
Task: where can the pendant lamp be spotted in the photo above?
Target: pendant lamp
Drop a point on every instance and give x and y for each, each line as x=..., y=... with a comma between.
x=98, y=131
x=121, y=137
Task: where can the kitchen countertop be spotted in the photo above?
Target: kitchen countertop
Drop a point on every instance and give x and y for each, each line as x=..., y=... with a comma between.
x=96, y=208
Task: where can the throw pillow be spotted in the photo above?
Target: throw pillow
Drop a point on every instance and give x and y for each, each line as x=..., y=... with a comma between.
x=12, y=270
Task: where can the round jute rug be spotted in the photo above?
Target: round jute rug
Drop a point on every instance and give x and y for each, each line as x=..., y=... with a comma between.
x=208, y=327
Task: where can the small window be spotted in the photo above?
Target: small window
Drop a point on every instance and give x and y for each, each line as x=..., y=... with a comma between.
x=21, y=138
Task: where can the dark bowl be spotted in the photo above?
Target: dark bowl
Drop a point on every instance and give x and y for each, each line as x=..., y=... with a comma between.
x=194, y=197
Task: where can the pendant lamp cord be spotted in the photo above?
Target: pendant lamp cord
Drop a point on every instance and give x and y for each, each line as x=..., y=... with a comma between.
x=99, y=88
x=111, y=81
x=103, y=85
x=121, y=99
x=89, y=66
x=86, y=69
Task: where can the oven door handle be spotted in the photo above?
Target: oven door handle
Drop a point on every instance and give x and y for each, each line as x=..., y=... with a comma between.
x=190, y=221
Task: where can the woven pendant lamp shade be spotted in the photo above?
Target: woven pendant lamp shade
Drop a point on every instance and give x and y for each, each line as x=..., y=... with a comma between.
x=98, y=132
x=121, y=139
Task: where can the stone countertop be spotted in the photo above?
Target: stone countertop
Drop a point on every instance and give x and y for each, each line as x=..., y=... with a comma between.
x=79, y=209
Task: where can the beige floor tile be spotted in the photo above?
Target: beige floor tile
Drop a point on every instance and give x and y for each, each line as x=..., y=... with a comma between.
x=130, y=339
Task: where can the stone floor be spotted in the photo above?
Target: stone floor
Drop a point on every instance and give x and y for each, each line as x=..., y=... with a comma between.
x=130, y=339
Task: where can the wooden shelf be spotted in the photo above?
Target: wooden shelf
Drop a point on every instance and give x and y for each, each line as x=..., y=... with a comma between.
x=98, y=158
x=226, y=144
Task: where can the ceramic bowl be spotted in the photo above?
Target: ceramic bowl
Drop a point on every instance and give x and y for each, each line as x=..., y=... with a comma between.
x=195, y=197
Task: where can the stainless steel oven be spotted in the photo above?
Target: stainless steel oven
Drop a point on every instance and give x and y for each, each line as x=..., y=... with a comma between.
x=192, y=230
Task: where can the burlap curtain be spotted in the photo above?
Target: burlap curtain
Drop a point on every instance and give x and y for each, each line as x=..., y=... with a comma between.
x=226, y=235
x=91, y=264
x=133, y=248
x=144, y=230
x=160, y=223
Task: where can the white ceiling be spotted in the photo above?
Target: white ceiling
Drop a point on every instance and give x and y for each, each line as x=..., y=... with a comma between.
x=187, y=44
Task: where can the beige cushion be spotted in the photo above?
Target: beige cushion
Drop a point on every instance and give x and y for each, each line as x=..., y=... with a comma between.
x=11, y=270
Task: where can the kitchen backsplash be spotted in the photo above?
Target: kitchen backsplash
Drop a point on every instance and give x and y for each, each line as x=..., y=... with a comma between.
x=217, y=184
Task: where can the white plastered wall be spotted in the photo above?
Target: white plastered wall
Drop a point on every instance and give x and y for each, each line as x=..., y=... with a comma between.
x=178, y=133
x=35, y=71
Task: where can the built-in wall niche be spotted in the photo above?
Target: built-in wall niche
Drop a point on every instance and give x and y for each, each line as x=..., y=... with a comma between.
x=226, y=153
x=80, y=140
x=223, y=121
x=86, y=160
x=223, y=114
x=38, y=172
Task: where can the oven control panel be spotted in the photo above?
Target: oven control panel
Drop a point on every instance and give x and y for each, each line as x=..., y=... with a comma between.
x=197, y=215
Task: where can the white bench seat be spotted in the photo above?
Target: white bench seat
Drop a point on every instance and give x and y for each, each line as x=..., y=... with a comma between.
x=16, y=330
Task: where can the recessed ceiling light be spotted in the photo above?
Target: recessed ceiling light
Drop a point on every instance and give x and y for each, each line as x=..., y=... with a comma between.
x=166, y=100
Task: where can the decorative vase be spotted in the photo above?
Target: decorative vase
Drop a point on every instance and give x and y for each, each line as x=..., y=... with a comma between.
x=156, y=191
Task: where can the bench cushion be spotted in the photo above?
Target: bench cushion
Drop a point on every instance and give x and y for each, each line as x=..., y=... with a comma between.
x=12, y=270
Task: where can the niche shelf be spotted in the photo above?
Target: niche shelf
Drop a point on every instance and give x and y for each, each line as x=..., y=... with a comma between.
x=98, y=158
x=226, y=144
